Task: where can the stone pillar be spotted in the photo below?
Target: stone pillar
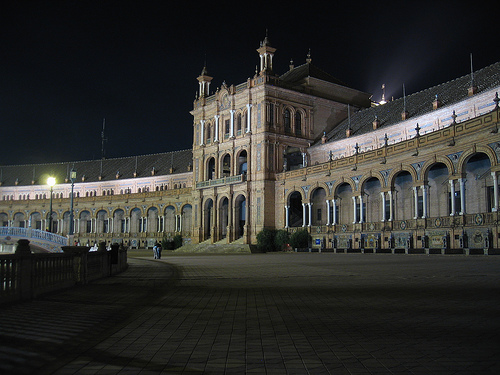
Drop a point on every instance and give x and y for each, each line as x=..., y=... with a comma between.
x=334, y=209
x=216, y=135
x=452, y=193
x=231, y=127
x=415, y=199
x=328, y=212
x=202, y=132
x=382, y=195
x=249, y=118
x=462, y=195
x=424, y=189
x=355, y=220
x=310, y=214
x=304, y=214
x=23, y=269
x=361, y=214
x=391, y=206
x=495, y=191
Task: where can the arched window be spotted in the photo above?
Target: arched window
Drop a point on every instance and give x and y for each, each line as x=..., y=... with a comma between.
x=211, y=169
x=226, y=166
x=298, y=124
x=286, y=121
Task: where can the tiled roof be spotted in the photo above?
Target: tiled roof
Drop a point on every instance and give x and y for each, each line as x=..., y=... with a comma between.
x=417, y=104
x=25, y=174
x=296, y=75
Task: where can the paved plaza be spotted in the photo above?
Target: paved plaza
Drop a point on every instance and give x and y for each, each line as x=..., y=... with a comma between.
x=280, y=313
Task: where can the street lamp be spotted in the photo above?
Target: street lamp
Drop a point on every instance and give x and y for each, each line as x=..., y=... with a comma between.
x=51, y=181
x=72, y=177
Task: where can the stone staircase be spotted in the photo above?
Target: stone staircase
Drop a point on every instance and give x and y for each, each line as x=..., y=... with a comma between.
x=221, y=247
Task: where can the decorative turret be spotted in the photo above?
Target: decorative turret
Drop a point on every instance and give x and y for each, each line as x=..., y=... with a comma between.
x=266, y=53
x=204, y=79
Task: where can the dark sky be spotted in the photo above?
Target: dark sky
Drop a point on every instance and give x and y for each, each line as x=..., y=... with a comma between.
x=66, y=65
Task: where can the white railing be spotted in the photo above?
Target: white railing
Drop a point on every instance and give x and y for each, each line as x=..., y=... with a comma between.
x=34, y=233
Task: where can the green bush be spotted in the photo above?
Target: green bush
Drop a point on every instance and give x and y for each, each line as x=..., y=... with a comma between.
x=167, y=244
x=265, y=240
x=177, y=241
x=281, y=239
x=300, y=239
x=171, y=243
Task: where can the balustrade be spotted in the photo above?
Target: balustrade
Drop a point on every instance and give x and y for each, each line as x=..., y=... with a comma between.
x=25, y=275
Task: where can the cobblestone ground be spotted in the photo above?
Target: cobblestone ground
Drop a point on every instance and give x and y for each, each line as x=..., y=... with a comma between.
x=282, y=313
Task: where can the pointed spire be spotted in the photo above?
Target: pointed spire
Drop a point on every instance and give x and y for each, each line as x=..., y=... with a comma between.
x=472, y=89
x=308, y=58
x=404, y=114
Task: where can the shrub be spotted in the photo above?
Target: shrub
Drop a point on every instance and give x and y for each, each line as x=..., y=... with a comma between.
x=265, y=240
x=177, y=241
x=167, y=244
x=281, y=239
x=300, y=239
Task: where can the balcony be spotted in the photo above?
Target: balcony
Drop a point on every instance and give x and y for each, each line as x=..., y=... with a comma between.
x=221, y=181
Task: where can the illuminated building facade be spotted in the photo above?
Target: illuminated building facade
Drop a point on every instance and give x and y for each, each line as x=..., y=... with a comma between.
x=294, y=151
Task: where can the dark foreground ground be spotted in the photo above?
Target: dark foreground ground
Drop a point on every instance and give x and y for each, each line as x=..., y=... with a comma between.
x=282, y=313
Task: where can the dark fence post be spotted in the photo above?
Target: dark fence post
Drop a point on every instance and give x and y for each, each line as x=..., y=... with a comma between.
x=24, y=269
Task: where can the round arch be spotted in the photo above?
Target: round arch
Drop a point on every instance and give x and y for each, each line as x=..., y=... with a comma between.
x=209, y=168
x=464, y=158
x=225, y=164
x=438, y=160
x=343, y=181
x=404, y=168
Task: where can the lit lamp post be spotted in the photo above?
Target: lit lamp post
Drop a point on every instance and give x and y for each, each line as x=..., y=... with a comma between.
x=72, y=177
x=51, y=181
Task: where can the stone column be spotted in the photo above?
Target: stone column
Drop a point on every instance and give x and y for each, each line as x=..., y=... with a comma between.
x=231, y=127
x=355, y=220
x=424, y=189
x=249, y=118
x=361, y=214
x=310, y=214
x=216, y=135
x=334, y=209
x=462, y=195
x=327, y=212
x=452, y=193
x=415, y=199
x=382, y=195
x=391, y=206
x=495, y=191
x=304, y=214
x=202, y=132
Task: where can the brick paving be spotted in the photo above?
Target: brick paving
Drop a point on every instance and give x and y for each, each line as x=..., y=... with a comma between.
x=282, y=313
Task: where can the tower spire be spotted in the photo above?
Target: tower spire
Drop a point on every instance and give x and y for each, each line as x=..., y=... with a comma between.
x=266, y=53
x=472, y=89
x=204, y=80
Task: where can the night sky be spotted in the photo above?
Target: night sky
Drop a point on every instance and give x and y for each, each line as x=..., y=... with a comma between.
x=67, y=65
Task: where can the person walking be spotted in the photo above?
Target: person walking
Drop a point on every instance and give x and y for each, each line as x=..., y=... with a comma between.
x=158, y=249
x=155, y=250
